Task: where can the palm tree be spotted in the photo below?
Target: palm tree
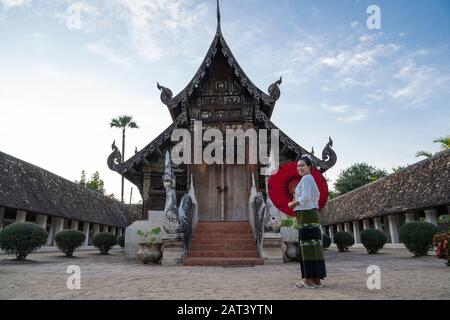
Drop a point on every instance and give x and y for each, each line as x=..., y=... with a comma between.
x=123, y=122
x=445, y=144
x=444, y=141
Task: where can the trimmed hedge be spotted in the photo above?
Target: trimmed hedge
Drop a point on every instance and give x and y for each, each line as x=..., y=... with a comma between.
x=373, y=240
x=22, y=238
x=343, y=240
x=418, y=237
x=326, y=241
x=68, y=240
x=104, y=241
x=121, y=241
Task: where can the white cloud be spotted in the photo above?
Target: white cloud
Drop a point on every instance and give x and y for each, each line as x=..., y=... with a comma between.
x=14, y=3
x=357, y=115
x=354, y=24
x=336, y=108
x=106, y=52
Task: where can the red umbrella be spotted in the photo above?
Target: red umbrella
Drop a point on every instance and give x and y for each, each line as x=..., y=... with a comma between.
x=283, y=183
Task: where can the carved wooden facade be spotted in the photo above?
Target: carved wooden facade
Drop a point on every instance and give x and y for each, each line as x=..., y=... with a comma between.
x=222, y=97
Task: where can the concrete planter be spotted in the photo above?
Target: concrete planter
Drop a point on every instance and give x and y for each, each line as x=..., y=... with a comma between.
x=149, y=252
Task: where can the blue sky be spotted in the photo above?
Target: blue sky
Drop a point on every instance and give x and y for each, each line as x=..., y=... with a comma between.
x=381, y=95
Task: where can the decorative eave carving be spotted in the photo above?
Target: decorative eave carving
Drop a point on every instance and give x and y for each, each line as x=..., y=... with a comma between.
x=115, y=158
x=166, y=93
x=329, y=157
x=174, y=103
x=274, y=89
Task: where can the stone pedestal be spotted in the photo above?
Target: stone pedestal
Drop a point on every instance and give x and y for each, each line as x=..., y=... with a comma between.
x=172, y=249
x=131, y=233
x=272, y=251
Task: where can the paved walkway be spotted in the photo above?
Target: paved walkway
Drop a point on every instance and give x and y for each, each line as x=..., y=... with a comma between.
x=114, y=277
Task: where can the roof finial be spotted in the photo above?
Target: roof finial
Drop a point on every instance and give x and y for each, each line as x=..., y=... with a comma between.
x=219, y=29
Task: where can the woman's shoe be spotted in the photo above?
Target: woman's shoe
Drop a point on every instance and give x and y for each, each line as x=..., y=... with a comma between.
x=302, y=284
x=317, y=285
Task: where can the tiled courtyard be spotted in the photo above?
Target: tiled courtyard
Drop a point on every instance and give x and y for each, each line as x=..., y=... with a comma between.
x=113, y=277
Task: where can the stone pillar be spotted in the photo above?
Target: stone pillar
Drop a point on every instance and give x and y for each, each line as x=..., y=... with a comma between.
x=86, y=226
x=356, y=232
x=409, y=217
x=21, y=216
x=113, y=231
x=96, y=229
x=347, y=227
x=331, y=228
x=57, y=226
x=105, y=229
x=339, y=227
x=172, y=250
x=394, y=226
x=74, y=225
x=272, y=251
x=378, y=224
x=41, y=219
x=431, y=216
x=2, y=214
x=366, y=224
x=120, y=232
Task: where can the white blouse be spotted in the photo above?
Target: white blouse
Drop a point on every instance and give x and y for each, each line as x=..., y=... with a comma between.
x=307, y=194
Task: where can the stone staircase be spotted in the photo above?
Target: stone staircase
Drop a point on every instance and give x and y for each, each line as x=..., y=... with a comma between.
x=223, y=244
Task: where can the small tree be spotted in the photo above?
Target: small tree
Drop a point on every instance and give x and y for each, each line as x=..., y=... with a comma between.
x=68, y=240
x=343, y=240
x=22, y=238
x=418, y=237
x=95, y=183
x=104, y=241
x=373, y=240
x=356, y=176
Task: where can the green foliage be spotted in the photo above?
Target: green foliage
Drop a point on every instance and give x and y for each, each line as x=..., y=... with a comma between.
x=326, y=241
x=22, y=238
x=418, y=237
x=445, y=218
x=121, y=241
x=95, y=183
x=333, y=194
x=356, y=176
x=290, y=222
x=123, y=122
x=343, y=240
x=444, y=143
x=104, y=241
x=151, y=236
x=373, y=240
x=68, y=240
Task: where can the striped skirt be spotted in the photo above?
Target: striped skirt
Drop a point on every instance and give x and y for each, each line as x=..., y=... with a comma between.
x=312, y=261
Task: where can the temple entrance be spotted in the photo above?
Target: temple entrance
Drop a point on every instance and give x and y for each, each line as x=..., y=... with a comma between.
x=222, y=192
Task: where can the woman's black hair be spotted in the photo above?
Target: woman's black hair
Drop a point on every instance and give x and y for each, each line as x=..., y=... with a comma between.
x=307, y=160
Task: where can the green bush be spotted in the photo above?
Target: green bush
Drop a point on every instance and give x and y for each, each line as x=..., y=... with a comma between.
x=343, y=240
x=22, y=238
x=104, y=241
x=326, y=241
x=373, y=240
x=68, y=240
x=121, y=241
x=418, y=237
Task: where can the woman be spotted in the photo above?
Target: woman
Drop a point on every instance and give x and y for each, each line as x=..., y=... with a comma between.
x=305, y=205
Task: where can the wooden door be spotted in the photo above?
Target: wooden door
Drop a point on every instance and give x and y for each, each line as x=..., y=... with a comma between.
x=236, y=193
x=207, y=181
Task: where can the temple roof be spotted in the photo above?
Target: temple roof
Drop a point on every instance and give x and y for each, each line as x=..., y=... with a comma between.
x=219, y=44
x=421, y=186
x=24, y=186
